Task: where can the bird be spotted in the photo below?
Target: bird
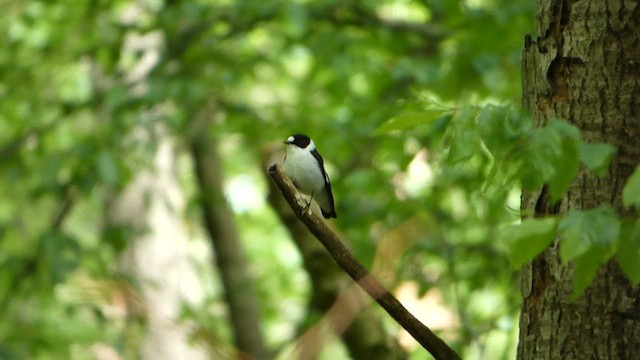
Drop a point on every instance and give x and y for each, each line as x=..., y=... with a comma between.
x=305, y=167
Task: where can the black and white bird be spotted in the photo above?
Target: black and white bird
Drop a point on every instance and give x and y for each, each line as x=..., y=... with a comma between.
x=305, y=167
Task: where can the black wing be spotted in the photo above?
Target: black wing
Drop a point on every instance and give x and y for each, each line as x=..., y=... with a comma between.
x=331, y=212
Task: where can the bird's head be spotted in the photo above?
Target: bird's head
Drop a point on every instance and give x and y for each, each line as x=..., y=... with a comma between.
x=301, y=141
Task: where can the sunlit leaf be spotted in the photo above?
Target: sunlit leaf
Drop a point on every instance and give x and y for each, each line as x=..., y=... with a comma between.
x=528, y=239
x=409, y=120
x=580, y=231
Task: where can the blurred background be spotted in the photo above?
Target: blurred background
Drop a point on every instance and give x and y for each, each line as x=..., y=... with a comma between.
x=137, y=220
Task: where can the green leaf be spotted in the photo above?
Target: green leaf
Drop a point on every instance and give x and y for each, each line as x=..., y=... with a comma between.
x=465, y=140
x=62, y=254
x=631, y=191
x=540, y=147
x=596, y=157
x=586, y=267
x=410, y=120
x=528, y=239
x=496, y=128
x=551, y=156
x=564, y=158
x=565, y=129
x=629, y=251
x=582, y=230
x=107, y=167
x=566, y=166
x=601, y=231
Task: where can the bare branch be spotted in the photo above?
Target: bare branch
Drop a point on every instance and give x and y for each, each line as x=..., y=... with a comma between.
x=345, y=306
x=341, y=255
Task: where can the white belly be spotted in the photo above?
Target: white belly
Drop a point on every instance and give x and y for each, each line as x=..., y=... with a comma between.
x=304, y=171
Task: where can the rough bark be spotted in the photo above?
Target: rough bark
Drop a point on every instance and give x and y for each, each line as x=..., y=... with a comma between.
x=583, y=67
x=229, y=255
x=365, y=336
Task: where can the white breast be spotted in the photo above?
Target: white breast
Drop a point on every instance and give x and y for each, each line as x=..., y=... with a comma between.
x=304, y=170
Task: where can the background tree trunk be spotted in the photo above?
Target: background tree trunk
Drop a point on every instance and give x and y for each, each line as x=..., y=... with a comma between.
x=583, y=67
x=158, y=259
x=230, y=258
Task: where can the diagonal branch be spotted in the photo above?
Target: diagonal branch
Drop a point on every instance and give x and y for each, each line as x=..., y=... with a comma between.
x=341, y=255
x=345, y=307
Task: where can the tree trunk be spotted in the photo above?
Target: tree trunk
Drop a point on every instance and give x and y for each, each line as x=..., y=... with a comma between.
x=585, y=68
x=158, y=256
x=230, y=258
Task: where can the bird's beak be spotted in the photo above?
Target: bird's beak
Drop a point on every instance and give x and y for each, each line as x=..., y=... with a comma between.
x=286, y=142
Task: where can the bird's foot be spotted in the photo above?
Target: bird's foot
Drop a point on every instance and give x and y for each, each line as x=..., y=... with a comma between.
x=307, y=208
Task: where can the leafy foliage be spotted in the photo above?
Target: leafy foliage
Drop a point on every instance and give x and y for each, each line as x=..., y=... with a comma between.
x=583, y=230
x=528, y=239
x=515, y=154
x=589, y=238
x=596, y=157
x=87, y=85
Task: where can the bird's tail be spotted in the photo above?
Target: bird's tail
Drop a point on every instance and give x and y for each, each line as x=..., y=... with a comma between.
x=325, y=200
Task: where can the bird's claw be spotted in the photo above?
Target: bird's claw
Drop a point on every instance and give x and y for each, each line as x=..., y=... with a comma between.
x=307, y=208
